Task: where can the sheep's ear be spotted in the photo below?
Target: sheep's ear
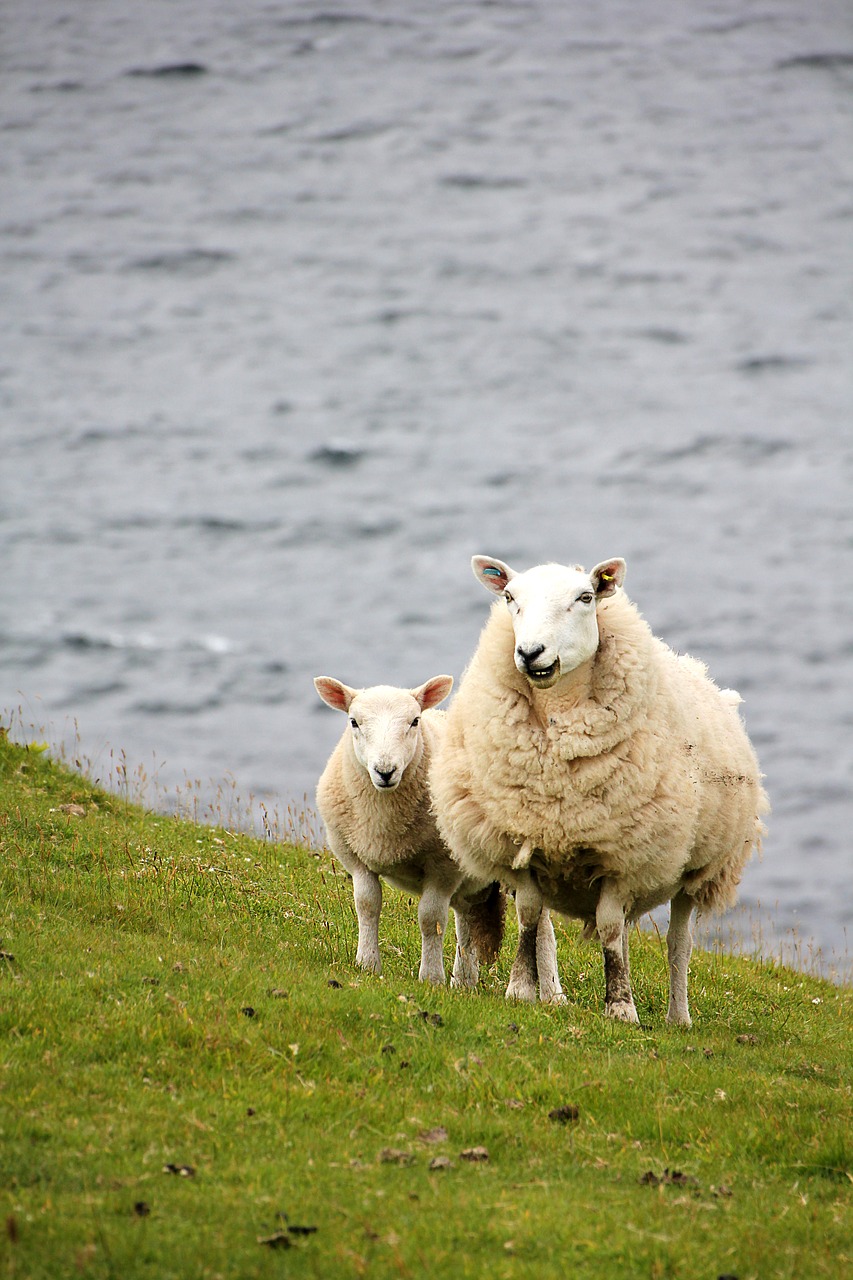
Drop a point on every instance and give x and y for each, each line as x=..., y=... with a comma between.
x=607, y=576
x=492, y=574
x=433, y=692
x=333, y=693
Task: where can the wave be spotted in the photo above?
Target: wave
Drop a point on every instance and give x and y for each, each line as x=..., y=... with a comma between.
x=145, y=642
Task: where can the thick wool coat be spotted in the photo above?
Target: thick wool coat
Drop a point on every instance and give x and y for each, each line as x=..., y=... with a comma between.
x=392, y=833
x=635, y=767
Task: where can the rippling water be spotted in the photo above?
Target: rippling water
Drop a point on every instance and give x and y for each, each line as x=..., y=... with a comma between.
x=306, y=303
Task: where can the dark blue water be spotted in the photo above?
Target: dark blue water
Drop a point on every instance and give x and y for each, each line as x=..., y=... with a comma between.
x=303, y=304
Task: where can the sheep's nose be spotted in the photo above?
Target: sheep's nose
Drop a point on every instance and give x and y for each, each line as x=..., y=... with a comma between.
x=529, y=656
x=385, y=774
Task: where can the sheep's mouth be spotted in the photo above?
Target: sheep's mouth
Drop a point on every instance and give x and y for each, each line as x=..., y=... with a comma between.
x=544, y=677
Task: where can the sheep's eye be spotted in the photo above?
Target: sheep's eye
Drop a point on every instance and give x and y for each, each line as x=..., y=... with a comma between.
x=415, y=722
x=509, y=599
x=586, y=597
x=354, y=723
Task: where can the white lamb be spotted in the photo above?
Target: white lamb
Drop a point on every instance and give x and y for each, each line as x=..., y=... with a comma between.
x=374, y=800
x=594, y=771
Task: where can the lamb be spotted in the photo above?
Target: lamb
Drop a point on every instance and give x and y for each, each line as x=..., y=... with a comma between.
x=374, y=800
x=596, y=772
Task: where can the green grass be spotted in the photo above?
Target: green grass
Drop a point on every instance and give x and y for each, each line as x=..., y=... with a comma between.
x=135, y=945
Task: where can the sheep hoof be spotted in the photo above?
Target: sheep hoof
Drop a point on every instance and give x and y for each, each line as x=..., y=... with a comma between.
x=622, y=1011
x=556, y=997
x=676, y=1019
x=515, y=991
x=466, y=972
x=370, y=964
x=436, y=979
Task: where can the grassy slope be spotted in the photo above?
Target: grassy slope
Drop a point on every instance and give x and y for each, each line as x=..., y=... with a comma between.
x=139, y=942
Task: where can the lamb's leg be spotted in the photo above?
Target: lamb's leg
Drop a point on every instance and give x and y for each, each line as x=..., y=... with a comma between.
x=524, y=974
x=466, y=968
x=679, y=945
x=550, y=990
x=367, y=891
x=432, y=917
x=610, y=923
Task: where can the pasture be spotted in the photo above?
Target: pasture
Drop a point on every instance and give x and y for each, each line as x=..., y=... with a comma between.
x=195, y=1081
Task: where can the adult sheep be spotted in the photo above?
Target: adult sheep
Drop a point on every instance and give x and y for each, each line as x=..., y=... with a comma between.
x=374, y=800
x=594, y=771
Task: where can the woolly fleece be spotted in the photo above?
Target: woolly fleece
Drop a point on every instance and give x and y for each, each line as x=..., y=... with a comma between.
x=394, y=833
x=636, y=767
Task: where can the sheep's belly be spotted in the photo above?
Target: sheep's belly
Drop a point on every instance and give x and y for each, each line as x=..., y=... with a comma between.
x=575, y=893
x=406, y=875
x=571, y=893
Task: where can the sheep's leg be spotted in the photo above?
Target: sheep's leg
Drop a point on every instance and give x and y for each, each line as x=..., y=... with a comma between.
x=626, y=952
x=679, y=945
x=550, y=990
x=367, y=891
x=432, y=917
x=610, y=923
x=524, y=974
x=466, y=968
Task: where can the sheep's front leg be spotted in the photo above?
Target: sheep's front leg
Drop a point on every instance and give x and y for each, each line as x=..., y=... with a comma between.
x=524, y=974
x=432, y=917
x=466, y=967
x=679, y=946
x=550, y=990
x=367, y=891
x=612, y=932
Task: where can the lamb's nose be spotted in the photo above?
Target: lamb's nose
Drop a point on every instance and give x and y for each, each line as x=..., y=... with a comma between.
x=385, y=774
x=529, y=656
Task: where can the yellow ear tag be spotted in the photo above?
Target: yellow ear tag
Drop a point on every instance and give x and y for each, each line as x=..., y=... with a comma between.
x=608, y=577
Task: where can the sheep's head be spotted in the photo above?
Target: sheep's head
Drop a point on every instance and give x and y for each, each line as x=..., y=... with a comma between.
x=384, y=723
x=553, y=610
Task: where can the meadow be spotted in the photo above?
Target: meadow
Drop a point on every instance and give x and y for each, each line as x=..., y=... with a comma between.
x=195, y=1080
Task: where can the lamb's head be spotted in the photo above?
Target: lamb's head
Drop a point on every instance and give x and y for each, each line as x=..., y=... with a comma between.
x=553, y=610
x=384, y=723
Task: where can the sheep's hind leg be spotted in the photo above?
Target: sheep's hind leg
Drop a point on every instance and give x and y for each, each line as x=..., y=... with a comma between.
x=466, y=968
x=367, y=891
x=523, y=977
x=679, y=945
x=612, y=931
x=432, y=917
x=550, y=990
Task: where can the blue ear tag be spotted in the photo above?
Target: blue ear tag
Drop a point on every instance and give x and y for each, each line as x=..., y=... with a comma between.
x=492, y=573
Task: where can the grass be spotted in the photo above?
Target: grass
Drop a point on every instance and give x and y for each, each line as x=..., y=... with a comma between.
x=185, y=996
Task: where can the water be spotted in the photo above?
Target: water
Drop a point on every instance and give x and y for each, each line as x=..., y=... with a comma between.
x=305, y=303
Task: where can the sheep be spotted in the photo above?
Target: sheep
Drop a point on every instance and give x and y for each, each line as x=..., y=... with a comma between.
x=374, y=800
x=596, y=772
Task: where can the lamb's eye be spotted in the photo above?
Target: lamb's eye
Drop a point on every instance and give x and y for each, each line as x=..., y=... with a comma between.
x=354, y=723
x=415, y=722
x=585, y=597
x=509, y=599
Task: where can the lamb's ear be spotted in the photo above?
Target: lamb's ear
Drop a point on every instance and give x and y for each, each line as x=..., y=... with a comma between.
x=607, y=576
x=492, y=574
x=433, y=692
x=333, y=693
